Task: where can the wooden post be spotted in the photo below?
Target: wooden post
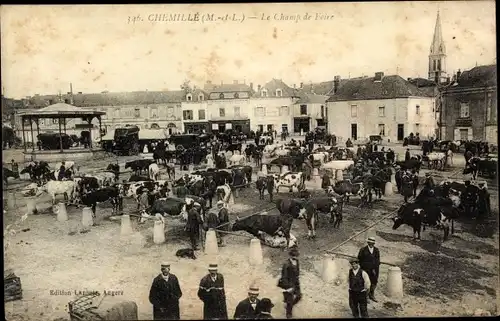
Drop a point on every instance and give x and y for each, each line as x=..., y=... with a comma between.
x=24, y=134
x=31, y=128
x=90, y=132
x=60, y=135
x=64, y=123
x=100, y=126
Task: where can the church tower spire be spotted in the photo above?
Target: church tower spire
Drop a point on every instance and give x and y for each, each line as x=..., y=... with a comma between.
x=437, y=55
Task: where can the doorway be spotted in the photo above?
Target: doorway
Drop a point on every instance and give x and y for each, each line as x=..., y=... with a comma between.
x=354, y=131
x=261, y=128
x=401, y=131
x=270, y=128
x=222, y=128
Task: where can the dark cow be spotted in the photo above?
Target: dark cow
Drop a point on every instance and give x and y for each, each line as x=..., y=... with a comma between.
x=222, y=177
x=247, y=170
x=410, y=164
x=139, y=165
x=300, y=209
x=139, y=178
x=269, y=224
x=167, y=206
x=38, y=171
x=346, y=189
x=234, y=147
x=328, y=205
x=109, y=193
x=418, y=215
x=472, y=167
x=263, y=183
x=8, y=173
x=87, y=183
x=293, y=162
x=160, y=154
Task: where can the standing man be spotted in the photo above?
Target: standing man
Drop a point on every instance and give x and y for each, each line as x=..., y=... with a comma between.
x=247, y=309
x=289, y=281
x=223, y=219
x=369, y=260
x=414, y=179
x=264, y=308
x=359, y=283
x=165, y=294
x=194, y=221
x=211, y=292
x=407, y=155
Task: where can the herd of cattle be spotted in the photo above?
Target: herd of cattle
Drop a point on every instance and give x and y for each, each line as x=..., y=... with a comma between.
x=366, y=171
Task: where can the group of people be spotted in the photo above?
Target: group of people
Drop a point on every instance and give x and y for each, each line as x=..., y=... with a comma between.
x=165, y=291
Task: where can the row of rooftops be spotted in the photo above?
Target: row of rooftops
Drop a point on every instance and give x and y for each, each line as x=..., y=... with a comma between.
x=378, y=87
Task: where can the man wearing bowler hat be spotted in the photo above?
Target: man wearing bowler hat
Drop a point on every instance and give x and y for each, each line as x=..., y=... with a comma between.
x=165, y=294
x=247, y=309
x=369, y=260
x=359, y=283
x=211, y=292
x=264, y=309
x=290, y=283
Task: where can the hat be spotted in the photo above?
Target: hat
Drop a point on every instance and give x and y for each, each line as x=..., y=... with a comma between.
x=371, y=239
x=212, y=267
x=354, y=260
x=293, y=251
x=164, y=264
x=266, y=304
x=253, y=290
x=220, y=203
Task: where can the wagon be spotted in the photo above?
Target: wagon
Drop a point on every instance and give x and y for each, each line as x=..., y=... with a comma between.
x=96, y=306
x=52, y=141
x=126, y=140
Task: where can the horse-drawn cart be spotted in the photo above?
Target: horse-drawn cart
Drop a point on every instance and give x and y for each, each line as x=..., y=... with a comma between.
x=94, y=306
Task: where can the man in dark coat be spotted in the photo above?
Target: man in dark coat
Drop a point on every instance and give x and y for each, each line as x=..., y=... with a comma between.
x=290, y=282
x=469, y=199
x=213, y=295
x=398, y=178
x=247, y=309
x=369, y=260
x=407, y=185
x=193, y=223
x=407, y=155
x=414, y=179
x=325, y=182
x=264, y=308
x=62, y=171
x=483, y=202
x=165, y=294
x=223, y=219
x=429, y=181
x=359, y=283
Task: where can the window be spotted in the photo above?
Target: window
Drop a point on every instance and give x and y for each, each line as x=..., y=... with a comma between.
x=200, y=97
x=55, y=121
x=464, y=110
x=154, y=112
x=279, y=93
x=434, y=65
x=201, y=114
x=264, y=93
x=259, y=111
x=284, y=128
x=381, y=111
x=417, y=128
x=222, y=112
x=221, y=96
x=137, y=113
x=417, y=110
x=381, y=129
x=187, y=115
x=464, y=134
x=354, y=110
x=303, y=109
x=236, y=95
x=189, y=97
x=439, y=65
x=322, y=111
x=236, y=111
x=270, y=127
x=284, y=111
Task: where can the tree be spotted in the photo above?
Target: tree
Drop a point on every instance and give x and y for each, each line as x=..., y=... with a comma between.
x=186, y=86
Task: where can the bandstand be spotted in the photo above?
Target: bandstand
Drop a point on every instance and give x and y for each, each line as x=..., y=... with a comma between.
x=61, y=112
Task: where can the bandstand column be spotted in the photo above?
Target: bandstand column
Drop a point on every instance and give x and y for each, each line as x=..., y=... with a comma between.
x=90, y=132
x=100, y=127
x=32, y=139
x=37, y=127
x=24, y=134
x=64, y=122
x=60, y=136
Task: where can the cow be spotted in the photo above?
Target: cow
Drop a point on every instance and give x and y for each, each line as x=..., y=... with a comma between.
x=472, y=167
x=269, y=224
x=409, y=164
x=289, y=180
x=418, y=215
x=170, y=170
x=172, y=206
x=54, y=188
x=300, y=209
x=222, y=177
x=138, y=178
x=328, y=205
x=86, y=184
x=346, y=188
x=234, y=147
x=247, y=170
x=435, y=160
x=223, y=192
x=36, y=171
x=293, y=162
x=109, y=193
x=154, y=171
x=105, y=178
x=8, y=173
x=139, y=165
x=263, y=183
x=237, y=160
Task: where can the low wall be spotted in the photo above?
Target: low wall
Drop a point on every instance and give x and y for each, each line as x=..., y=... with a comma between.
x=66, y=155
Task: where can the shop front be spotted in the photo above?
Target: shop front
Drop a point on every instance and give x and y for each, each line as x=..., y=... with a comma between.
x=221, y=126
x=301, y=123
x=196, y=128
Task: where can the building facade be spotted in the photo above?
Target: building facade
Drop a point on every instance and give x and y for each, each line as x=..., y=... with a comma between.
x=469, y=106
x=389, y=106
x=309, y=112
x=195, y=112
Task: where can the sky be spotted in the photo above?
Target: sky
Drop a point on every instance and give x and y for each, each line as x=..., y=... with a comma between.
x=100, y=47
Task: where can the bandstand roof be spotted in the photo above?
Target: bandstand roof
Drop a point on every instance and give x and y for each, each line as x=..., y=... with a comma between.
x=61, y=110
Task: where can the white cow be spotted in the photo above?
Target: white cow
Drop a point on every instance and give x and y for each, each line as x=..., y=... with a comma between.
x=154, y=171
x=67, y=165
x=283, y=152
x=289, y=179
x=237, y=160
x=227, y=192
x=321, y=156
x=53, y=188
x=338, y=164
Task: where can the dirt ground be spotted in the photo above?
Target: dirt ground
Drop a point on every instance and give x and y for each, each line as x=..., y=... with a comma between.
x=454, y=278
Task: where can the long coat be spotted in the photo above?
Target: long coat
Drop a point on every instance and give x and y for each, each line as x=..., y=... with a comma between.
x=407, y=185
x=290, y=276
x=369, y=262
x=244, y=310
x=214, y=300
x=164, y=296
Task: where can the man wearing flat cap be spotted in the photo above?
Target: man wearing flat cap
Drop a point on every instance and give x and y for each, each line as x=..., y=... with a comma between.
x=247, y=309
x=165, y=294
x=359, y=283
x=369, y=260
x=290, y=282
x=213, y=295
x=264, y=308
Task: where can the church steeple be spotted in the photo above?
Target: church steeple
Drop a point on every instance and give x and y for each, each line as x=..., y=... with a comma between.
x=437, y=54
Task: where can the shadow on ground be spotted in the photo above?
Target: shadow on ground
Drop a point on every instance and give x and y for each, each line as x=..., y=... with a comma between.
x=439, y=275
x=483, y=229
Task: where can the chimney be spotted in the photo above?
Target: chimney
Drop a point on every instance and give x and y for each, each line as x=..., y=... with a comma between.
x=458, y=74
x=301, y=85
x=379, y=76
x=71, y=88
x=336, y=83
x=251, y=86
x=235, y=82
x=258, y=87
